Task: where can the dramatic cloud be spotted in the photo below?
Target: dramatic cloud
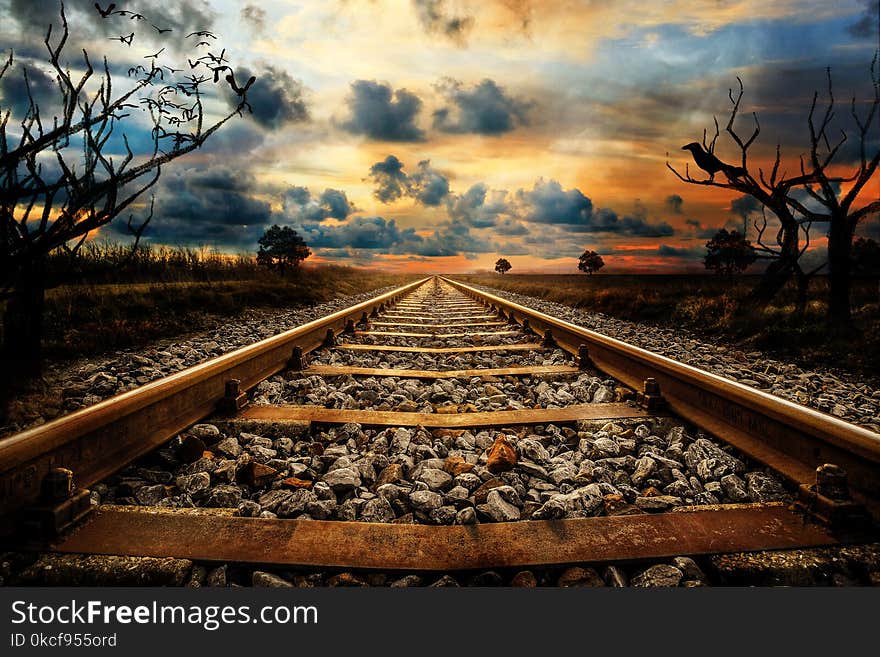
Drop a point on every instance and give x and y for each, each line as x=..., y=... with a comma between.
x=548, y=203
x=380, y=113
x=373, y=233
x=300, y=206
x=210, y=206
x=427, y=185
x=675, y=252
x=480, y=208
x=744, y=207
x=453, y=238
x=699, y=230
x=14, y=91
x=276, y=98
x=391, y=182
x=255, y=17
x=485, y=109
x=674, y=202
x=436, y=18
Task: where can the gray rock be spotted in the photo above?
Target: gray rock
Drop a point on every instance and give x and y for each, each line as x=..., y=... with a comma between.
x=343, y=479
x=216, y=577
x=229, y=447
x=735, y=489
x=260, y=578
x=407, y=581
x=295, y=503
x=150, y=495
x=659, y=575
x=435, y=479
x=194, y=483
x=499, y=506
x=467, y=516
x=425, y=500
x=689, y=568
x=249, y=509
x=224, y=496
x=764, y=488
x=377, y=510
x=206, y=432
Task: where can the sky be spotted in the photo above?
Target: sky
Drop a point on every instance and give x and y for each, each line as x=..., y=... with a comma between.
x=440, y=135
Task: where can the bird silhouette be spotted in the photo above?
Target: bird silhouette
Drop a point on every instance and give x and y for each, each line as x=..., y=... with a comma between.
x=105, y=12
x=201, y=33
x=154, y=55
x=240, y=90
x=711, y=164
x=161, y=30
x=124, y=39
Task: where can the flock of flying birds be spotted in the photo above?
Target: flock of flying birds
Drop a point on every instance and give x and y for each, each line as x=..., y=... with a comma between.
x=217, y=64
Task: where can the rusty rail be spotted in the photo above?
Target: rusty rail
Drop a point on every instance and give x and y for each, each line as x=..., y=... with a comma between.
x=790, y=438
x=96, y=441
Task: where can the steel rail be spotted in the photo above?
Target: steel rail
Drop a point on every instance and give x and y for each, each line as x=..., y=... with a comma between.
x=96, y=441
x=790, y=438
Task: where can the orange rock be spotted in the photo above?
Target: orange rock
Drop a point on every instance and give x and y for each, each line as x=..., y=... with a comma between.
x=482, y=492
x=257, y=474
x=455, y=465
x=501, y=456
x=208, y=454
x=524, y=579
x=650, y=491
x=293, y=482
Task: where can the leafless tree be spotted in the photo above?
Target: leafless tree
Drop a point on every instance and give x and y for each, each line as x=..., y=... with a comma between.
x=783, y=196
x=59, y=182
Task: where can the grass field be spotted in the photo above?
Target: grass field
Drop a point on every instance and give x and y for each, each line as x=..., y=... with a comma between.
x=91, y=318
x=714, y=306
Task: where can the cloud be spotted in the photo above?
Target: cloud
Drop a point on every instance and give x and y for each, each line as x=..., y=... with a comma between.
x=427, y=185
x=866, y=25
x=14, y=91
x=481, y=208
x=210, y=206
x=674, y=252
x=391, y=182
x=699, y=230
x=255, y=17
x=548, y=203
x=484, y=109
x=373, y=233
x=436, y=18
x=380, y=113
x=674, y=202
x=300, y=206
x=275, y=97
x=511, y=228
x=453, y=238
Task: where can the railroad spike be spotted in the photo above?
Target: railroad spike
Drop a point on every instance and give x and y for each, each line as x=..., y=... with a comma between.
x=829, y=501
x=364, y=321
x=349, y=327
x=297, y=361
x=60, y=505
x=651, y=399
x=548, y=341
x=329, y=340
x=233, y=399
x=526, y=326
x=584, y=360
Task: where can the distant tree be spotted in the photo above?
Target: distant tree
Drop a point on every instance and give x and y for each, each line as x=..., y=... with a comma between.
x=502, y=265
x=281, y=248
x=590, y=261
x=729, y=253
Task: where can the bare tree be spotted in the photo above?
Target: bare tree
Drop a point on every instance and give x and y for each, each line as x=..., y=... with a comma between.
x=58, y=180
x=782, y=196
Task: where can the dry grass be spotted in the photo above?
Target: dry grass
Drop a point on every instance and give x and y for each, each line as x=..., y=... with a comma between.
x=715, y=307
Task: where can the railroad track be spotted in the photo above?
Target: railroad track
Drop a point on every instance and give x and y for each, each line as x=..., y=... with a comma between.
x=438, y=428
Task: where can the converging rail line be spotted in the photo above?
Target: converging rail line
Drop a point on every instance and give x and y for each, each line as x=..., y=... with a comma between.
x=543, y=460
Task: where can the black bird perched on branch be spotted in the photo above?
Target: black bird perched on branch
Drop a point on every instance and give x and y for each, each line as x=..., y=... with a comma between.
x=711, y=164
